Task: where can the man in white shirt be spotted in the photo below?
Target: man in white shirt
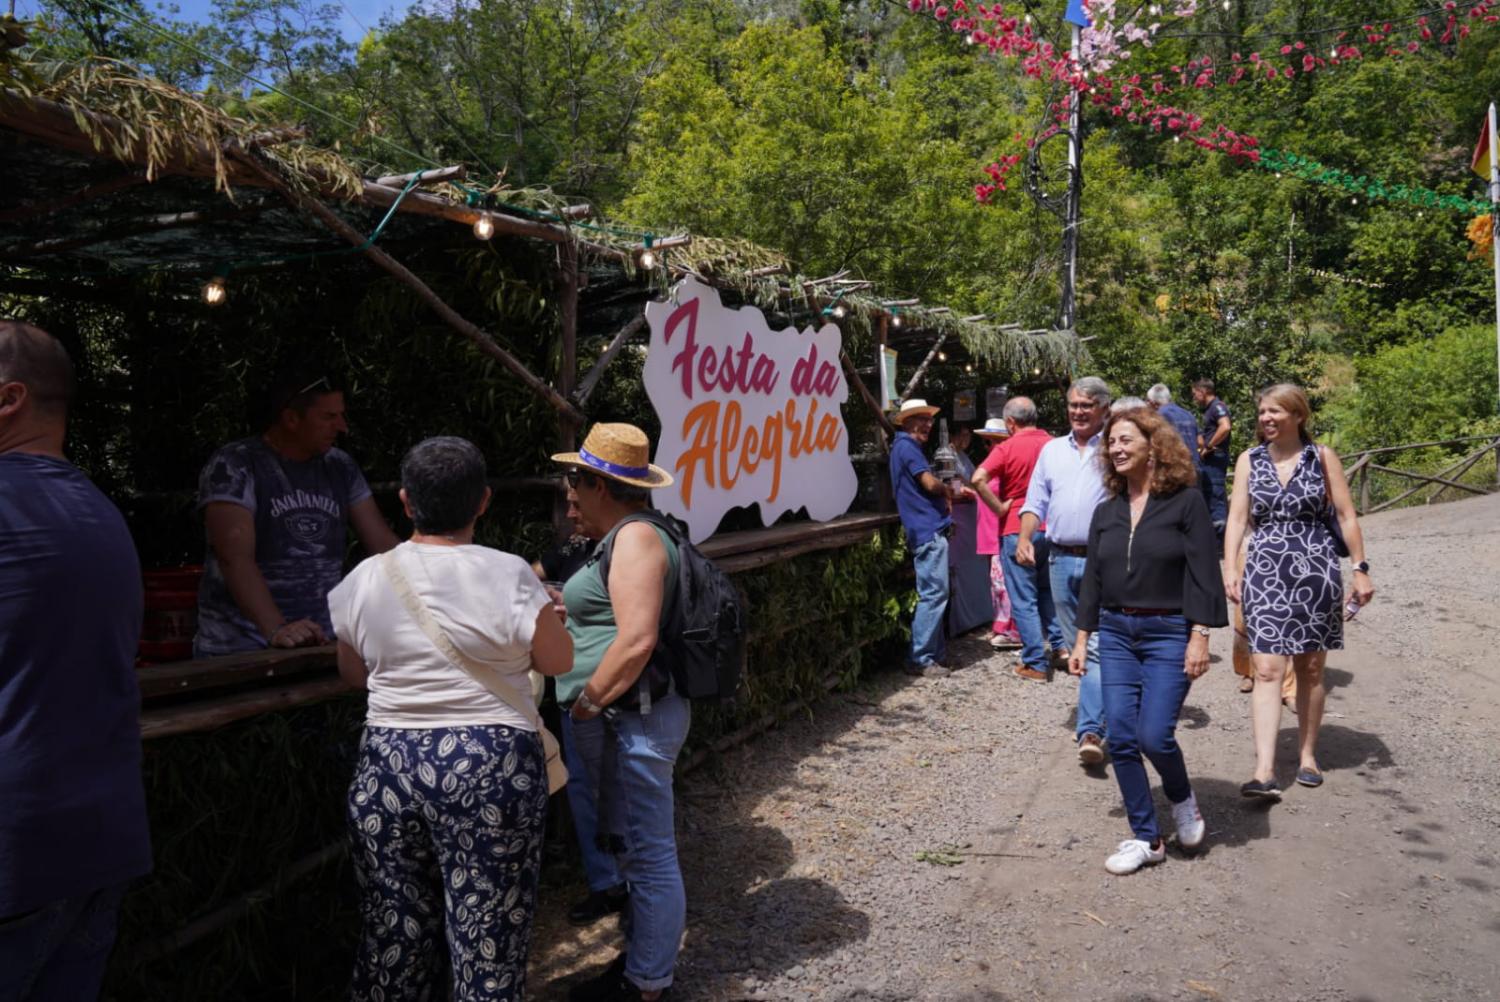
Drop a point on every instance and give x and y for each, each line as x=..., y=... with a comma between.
x=1066, y=486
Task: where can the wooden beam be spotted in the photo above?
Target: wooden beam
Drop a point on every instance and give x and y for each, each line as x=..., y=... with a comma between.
x=131, y=228
x=93, y=192
x=402, y=274
x=181, y=677
x=567, y=316
x=439, y=174
x=592, y=377
x=916, y=377
x=747, y=540
x=208, y=715
x=423, y=204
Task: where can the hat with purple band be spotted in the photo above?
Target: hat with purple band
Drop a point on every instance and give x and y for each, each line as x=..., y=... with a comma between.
x=620, y=452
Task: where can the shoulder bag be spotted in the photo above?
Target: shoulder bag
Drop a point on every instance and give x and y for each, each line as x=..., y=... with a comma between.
x=1330, y=513
x=557, y=772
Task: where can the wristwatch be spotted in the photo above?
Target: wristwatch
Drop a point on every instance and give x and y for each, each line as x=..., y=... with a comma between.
x=1202, y=631
x=1363, y=567
x=588, y=705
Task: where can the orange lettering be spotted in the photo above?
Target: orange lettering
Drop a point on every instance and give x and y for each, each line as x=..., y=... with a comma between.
x=702, y=426
x=728, y=439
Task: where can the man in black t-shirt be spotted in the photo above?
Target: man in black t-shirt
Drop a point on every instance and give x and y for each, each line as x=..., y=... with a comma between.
x=1215, y=451
x=275, y=506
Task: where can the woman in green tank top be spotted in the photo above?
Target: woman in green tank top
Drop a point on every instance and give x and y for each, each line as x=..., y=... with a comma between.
x=629, y=748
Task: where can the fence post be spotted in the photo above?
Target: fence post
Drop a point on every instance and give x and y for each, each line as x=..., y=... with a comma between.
x=1364, y=488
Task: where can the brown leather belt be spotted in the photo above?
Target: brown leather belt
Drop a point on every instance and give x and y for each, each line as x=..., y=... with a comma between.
x=1130, y=610
x=1072, y=551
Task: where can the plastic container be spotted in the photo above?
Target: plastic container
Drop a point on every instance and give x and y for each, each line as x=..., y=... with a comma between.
x=171, y=614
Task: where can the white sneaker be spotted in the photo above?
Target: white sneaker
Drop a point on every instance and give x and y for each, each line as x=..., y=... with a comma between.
x=1134, y=854
x=1190, y=826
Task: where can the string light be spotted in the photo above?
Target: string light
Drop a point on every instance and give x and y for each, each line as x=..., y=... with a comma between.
x=1036, y=372
x=214, y=291
x=484, y=227
x=942, y=356
x=968, y=368
x=839, y=312
x=895, y=318
x=647, y=257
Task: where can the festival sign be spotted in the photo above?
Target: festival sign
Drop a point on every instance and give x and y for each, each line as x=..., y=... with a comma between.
x=748, y=415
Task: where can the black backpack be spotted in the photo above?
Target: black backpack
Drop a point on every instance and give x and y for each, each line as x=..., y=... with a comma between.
x=701, y=644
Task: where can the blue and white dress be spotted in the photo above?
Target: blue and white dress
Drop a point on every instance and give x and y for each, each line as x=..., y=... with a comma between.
x=1293, y=590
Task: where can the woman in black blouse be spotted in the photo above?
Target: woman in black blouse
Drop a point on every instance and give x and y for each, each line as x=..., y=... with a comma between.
x=1151, y=589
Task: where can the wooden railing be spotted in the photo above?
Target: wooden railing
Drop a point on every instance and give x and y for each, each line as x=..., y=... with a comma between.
x=1361, y=467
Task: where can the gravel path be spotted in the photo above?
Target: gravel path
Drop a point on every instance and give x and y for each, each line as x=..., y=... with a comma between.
x=937, y=840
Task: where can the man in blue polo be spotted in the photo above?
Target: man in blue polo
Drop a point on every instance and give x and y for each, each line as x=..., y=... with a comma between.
x=72, y=807
x=926, y=514
x=1214, y=453
x=1180, y=418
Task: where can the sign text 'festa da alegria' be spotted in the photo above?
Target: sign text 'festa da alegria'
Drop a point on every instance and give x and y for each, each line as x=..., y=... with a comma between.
x=748, y=415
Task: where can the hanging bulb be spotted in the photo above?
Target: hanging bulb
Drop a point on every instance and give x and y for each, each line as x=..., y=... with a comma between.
x=942, y=356
x=968, y=368
x=1036, y=372
x=1226, y=4
x=484, y=227
x=214, y=291
x=839, y=312
x=895, y=320
x=1278, y=175
x=1353, y=201
x=648, y=259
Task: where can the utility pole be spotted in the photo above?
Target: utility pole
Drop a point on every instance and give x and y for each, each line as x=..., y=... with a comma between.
x=1068, y=314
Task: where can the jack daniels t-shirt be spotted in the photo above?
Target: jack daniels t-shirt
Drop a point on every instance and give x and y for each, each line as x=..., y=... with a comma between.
x=300, y=511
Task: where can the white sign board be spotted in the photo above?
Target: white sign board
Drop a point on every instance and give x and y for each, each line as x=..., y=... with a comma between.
x=748, y=415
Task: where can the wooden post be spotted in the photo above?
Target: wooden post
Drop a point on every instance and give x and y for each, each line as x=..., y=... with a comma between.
x=567, y=374
x=596, y=373
x=1364, y=488
x=402, y=274
x=882, y=481
x=916, y=377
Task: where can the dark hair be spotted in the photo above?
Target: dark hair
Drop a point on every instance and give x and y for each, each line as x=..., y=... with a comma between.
x=444, y=480
x=1205, y=384
x=1174, y=467
x=36, y=359
x=618, y=489
x=296, y=389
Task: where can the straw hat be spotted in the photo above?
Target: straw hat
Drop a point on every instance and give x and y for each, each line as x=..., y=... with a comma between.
x=913, y=408
x=993, y=428
x=620, y=452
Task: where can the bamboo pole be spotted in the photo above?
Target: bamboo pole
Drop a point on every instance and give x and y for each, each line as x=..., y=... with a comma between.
x=916, y=377
x=455, y=173
x=596, y=372
x=482, y=340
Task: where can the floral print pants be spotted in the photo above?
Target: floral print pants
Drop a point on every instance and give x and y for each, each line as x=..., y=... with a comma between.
x=446, y=825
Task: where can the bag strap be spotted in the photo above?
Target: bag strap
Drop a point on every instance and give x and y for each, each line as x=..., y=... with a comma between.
x=1327, y=490
x=423, y=617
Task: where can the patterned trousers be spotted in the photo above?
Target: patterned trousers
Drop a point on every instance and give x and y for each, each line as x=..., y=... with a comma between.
x=446, y=826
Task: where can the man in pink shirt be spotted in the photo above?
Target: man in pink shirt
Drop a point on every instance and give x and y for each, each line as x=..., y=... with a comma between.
x=1001, y=482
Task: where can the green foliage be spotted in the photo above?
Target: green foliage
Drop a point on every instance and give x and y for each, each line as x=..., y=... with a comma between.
x=1421, y=391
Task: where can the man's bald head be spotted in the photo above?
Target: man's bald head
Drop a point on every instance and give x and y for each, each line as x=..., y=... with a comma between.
x=37, y=360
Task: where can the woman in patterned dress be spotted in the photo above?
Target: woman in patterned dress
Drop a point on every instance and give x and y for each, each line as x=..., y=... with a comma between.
x=450, y=789
x=1290, y=587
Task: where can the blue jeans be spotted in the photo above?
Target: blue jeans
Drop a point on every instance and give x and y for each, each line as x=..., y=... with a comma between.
x=929, y=640
x=631, y=760
x=1067, y=581
x=1141, y=658
x=1214, y=474
x=583, y=800
x=58, y=952
x=1030, y=591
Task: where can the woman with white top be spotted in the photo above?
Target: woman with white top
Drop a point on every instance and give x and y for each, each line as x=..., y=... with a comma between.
x=450, y=790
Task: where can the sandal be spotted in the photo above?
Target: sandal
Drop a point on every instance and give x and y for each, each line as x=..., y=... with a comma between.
x=1247, y=684
x=1309, y=777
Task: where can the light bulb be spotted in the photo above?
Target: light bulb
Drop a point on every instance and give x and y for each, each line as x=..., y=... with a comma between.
x=214, y=292
x=1226, y=4
x=648, y=259
x=839, y=312
x=1353, y=201
x=968, y=368
x=1278, y=175
x=896, y=320
x=942, y=356
x=484, y=227
x=1334, y=52
x=1036, y=372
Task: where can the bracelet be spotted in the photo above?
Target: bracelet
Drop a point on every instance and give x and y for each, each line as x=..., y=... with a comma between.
x=589, y=706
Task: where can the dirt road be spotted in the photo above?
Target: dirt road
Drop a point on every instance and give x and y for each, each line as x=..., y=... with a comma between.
x=937, y=840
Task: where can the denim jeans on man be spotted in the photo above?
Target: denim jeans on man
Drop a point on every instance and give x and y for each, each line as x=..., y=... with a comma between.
x=1067, y=581
x=631, y=760
x=57, y=953
x=583, y=801
x=929, y=638
x=1030, y=591
x=1141, y=659
x=1214, y=492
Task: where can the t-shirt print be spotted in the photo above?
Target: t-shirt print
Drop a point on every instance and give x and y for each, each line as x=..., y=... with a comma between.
x=300, y=511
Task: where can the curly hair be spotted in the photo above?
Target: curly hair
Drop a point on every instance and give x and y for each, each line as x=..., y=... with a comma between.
x=1174, y=466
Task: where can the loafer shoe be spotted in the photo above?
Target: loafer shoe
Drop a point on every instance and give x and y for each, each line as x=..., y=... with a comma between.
x=1257, y=790
x=1091, y=749
x=1029, y=674
x=1309, y=777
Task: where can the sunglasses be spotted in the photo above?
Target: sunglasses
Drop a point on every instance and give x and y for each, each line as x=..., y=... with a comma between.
x=575, y=476
x=320, y=381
